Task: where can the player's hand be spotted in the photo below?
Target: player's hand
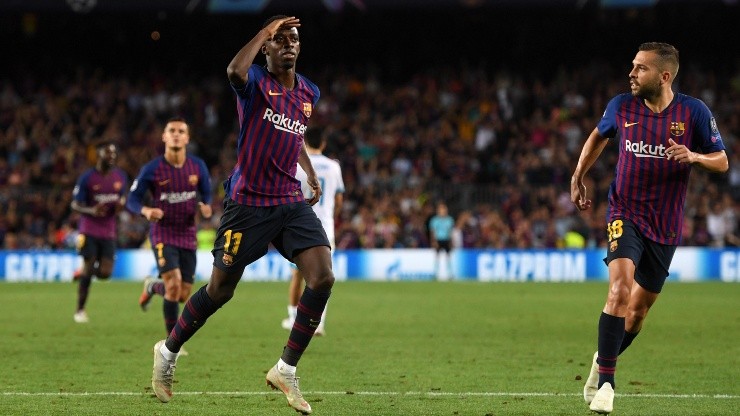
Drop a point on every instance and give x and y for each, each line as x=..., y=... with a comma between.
x=205, y=210
x=286, y=23
x=679, y=153
x=152, y=214
x=578, y=195
x=100, y=210
x=313, y=182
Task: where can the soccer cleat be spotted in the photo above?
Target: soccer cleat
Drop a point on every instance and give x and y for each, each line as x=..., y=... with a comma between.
x=603, y=402
x=288, y=384
x=146, y=294
x=592, y=382
x=81, y=317
x=163, y=374
x=287, y=324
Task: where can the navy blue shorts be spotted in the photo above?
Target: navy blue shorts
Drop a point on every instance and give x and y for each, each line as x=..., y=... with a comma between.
x=445, y=245
x=651, y=259
x=90, y=247
x=170, y=257
x=246, y=232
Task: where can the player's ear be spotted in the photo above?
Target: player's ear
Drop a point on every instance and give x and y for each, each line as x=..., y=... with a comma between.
x=263, y=49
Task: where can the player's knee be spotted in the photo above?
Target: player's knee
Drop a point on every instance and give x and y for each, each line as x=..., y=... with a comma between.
x=619, y=294
x=323, y=282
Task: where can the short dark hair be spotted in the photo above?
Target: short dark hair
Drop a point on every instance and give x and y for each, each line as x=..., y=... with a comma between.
x=667, y=55
x=314, y=137
x=178, y=119
x=273, y=18
x=175, y=119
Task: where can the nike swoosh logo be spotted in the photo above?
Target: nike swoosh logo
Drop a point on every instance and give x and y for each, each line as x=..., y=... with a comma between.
x=274, y=93
x=626, y=124
x=164, y=182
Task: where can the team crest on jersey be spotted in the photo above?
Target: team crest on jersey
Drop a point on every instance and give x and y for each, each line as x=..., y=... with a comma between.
x=228, y=259
x=117, y=185
x=678, y=128
x=307, y=109
x=613, y=246
x=193, y=180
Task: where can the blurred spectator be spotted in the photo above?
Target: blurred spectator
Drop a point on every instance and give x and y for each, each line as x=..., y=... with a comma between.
x=498, y=146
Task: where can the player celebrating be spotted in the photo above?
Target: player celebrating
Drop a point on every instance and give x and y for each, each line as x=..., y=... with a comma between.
x=180, y=187
x=264, y=204
x=329, y=206
x=98, y=195
x=661, y=135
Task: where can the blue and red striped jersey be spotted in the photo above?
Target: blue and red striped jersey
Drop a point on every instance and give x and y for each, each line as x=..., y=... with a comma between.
x=94, y=187
x=272, y=122
x=648, y=189
x=177, y=192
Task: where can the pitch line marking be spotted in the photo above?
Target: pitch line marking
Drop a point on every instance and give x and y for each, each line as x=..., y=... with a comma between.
x=371, y=393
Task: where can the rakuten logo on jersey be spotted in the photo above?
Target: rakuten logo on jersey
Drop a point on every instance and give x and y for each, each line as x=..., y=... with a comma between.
x=642, y=149
x=106, y=198
x=177, y=197
x=282, y=122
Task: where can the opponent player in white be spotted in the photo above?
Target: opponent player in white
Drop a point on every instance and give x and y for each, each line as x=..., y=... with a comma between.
x=329, y=206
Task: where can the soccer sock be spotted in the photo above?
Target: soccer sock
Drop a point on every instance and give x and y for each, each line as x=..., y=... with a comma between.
x=307, y=318
x=284, y=368
x=628, y=338
x=83, y=289
x=194, y=315
x=171, y=311
x=158, y=288
x=611, y=333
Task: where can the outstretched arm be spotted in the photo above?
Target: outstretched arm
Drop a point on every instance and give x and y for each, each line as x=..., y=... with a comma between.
x=591, y=150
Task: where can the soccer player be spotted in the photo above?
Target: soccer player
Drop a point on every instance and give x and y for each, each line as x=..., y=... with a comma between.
x=180, y=188
x=329, y=206
x=264, y=204
x=661, y=134
x=98, y=195
x=441, y=226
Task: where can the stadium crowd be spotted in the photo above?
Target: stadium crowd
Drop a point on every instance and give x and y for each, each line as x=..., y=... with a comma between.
x=499, y=147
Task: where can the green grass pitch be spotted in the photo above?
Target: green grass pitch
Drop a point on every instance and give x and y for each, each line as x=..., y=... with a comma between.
x=406, y=348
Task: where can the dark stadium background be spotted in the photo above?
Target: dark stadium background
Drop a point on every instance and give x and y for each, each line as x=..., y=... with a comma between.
x=398, y=36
